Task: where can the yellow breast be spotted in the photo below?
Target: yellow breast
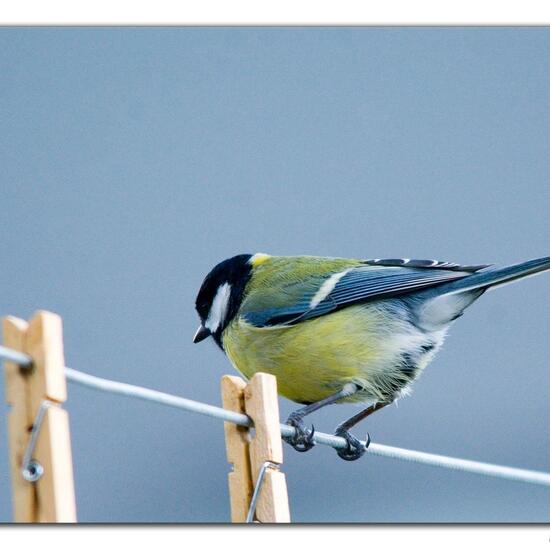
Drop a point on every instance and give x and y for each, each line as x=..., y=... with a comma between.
x=315, y=358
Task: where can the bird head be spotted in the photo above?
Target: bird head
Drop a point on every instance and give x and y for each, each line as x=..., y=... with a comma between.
x=220, y=296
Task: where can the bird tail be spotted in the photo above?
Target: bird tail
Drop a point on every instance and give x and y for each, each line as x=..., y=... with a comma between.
x=492, y=277
x=447, y=302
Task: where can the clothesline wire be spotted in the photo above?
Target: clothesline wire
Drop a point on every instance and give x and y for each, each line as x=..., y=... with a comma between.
x=147, y=394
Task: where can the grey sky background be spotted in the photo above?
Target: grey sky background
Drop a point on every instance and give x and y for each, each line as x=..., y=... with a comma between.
x=134, y=159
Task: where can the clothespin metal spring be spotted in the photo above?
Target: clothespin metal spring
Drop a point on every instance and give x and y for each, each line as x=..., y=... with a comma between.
x=32, y=470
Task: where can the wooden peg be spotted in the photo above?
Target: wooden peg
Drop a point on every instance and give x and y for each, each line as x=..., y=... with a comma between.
x=260, y=397
x=237, y=443
x=44, y=343
x=19, y=422
x=53, y=498
x=55, y=489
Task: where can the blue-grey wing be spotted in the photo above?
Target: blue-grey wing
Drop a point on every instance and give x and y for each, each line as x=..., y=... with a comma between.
x=374, y=280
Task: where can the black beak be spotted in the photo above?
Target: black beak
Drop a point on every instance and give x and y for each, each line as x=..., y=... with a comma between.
x=201, y=334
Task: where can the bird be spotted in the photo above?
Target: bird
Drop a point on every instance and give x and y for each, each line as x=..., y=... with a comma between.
x=338, y=330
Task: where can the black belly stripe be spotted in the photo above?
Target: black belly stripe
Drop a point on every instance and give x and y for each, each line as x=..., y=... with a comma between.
x=427, y=347
x=408, y=365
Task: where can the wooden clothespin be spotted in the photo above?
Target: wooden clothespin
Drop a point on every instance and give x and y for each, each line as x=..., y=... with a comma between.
x=37, y=394
x=247, y=454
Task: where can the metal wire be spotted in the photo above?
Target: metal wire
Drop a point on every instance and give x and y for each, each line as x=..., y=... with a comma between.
x=129, y=390
x=441, y=461
x=14, y=356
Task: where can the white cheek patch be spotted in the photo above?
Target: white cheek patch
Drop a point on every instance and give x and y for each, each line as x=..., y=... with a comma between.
x=326, y=288
x=218, y=309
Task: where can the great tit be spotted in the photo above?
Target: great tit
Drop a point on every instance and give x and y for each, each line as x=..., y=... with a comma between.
x=339, y=330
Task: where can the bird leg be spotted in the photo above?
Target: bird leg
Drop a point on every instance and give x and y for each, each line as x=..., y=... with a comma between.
x=302, y=440
x=355, y=448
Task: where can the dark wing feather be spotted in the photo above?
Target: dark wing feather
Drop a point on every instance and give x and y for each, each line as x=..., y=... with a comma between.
x=432, y=264
x=360, y=284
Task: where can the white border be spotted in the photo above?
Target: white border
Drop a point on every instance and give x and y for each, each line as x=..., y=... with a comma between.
x=272, y=12
x=268, y=537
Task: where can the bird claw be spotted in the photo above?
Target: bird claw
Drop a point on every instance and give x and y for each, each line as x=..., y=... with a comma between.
x=355, y=449
x=302, y=440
